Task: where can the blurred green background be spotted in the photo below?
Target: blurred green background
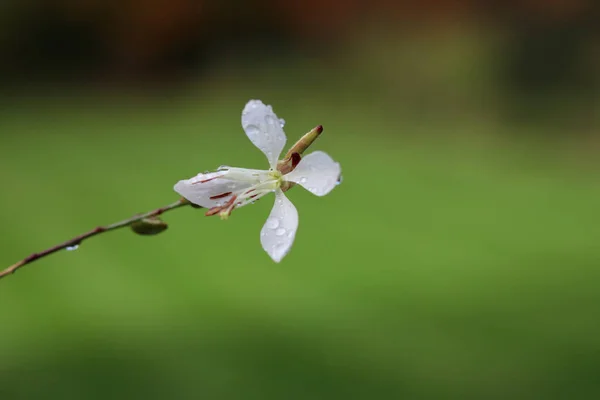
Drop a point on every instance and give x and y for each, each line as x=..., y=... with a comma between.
x=458, y=259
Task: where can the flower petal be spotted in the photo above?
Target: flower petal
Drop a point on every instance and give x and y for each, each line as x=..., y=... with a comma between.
x=209, y=190
x=278, y=233
x=264, y=129
x=317, y=173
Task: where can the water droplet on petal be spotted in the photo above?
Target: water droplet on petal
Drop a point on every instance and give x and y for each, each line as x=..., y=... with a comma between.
x=252, y=131
x=303, y=180
x=223, y=167
x=282, y=122
x=270, y=120
x=340, y=180
x=272, y=223
x=72, y=248
x=280, y=231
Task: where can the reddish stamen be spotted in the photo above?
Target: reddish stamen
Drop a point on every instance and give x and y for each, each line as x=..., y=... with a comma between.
x=230, y=202
x=227, y=207
x=230, y=205
x=213, y=211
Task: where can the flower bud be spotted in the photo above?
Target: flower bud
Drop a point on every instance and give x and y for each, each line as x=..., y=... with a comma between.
x=149, y=226
x=288, y=164
x=304, y=142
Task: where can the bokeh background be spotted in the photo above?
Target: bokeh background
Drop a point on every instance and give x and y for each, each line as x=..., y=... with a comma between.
x=458, y=259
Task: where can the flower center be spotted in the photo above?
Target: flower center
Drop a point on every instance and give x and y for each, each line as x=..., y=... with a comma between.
x=277, y=178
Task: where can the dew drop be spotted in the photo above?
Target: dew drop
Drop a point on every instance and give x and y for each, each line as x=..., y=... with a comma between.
x=282, y=122
x=340, y=180
x=270, y=120
x=280, y=232
x=72, y=248
x=252, y=130
x=272, y=223
x=303, y=180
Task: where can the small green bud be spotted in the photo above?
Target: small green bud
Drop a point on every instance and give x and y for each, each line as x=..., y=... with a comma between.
x=149, y=226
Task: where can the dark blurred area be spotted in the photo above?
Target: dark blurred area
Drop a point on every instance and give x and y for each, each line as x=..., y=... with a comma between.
x=543, y=56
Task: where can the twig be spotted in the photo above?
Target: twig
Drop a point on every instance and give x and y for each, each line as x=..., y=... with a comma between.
x=96, y=231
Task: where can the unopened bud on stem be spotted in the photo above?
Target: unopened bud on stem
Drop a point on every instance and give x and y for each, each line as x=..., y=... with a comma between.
x=149, y=226
x=294, y=154
x=305, y=142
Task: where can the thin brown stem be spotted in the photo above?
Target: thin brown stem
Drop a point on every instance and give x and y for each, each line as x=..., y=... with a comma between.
x=96, y=231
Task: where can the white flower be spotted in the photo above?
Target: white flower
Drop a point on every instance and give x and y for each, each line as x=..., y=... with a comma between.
x=228, y=188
